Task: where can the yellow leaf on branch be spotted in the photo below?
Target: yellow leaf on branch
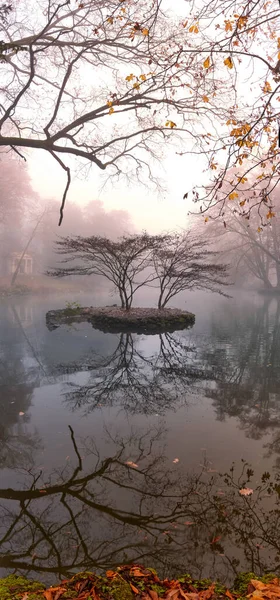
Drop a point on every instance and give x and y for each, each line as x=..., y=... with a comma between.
x=259, y=229
x=111, y=110
x=194, y=28
x=228, y=26
x=242, y=202
x=228, y=62
x=136, y=85
x=241, y=22
x=170, y=124
x=267, y=87
x=205, y=98
x=233, y=195
x=130, y=77
x=110, y=20
x=143, y=77
x=109, y=103
x=206, y=63
x=206, y=219
x=145, y=31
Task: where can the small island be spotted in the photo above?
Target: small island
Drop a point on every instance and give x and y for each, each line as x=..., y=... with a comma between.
x=169, y=263
x=112, y=319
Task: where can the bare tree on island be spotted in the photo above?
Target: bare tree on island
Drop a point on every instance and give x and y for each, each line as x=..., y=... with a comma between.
x=121, y=262
x=186, y=263
x=172, y=262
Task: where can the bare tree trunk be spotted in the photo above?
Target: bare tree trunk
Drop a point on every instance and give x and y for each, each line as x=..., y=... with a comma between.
x=15, y=274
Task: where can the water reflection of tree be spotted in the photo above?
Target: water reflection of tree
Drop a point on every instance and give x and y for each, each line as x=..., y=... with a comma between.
x=246, y=363
x=140, y=383
x=106, y=511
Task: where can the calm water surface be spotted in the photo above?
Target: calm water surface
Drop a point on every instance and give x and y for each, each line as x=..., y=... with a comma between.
x=113, y=448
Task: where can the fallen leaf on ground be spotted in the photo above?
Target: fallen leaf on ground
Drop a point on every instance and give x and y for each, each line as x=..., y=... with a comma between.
x=265, y=591
x=207, y=594
x=54, y=593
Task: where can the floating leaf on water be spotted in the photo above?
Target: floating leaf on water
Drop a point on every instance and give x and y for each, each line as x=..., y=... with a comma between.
x=246, y=492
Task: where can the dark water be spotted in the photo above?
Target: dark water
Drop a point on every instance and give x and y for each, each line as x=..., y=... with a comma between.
x=112, y=447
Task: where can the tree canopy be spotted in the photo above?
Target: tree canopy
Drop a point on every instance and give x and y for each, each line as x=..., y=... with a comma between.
x=172, y=263
x=110, y=81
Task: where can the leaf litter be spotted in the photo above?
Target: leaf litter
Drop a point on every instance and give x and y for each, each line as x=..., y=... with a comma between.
x=134, y=582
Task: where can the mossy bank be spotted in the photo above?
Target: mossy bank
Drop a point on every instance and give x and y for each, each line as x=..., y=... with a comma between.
x=134, y=582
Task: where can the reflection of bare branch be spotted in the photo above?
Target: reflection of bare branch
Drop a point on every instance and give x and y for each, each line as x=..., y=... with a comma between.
x=140, y=383
x=82, y=522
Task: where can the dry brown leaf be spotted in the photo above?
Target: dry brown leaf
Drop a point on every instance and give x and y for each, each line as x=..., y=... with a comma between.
x=54, y=593
x=110, y=574
x=153, y=595
x=262, y=590
x=173, y=594
x=206, y=594
x=136, y=572
x=184, y=595
x=229, y=595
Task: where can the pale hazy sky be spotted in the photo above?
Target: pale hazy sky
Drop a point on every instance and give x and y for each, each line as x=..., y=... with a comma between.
x=148, y=209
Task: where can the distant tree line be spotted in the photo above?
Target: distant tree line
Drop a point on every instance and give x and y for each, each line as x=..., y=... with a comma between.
x=171, y=262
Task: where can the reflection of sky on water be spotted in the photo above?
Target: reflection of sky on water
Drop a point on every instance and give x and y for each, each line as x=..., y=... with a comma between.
x=211, y=393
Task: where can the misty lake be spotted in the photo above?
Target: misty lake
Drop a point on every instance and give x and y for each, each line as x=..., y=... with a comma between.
x=113, y=448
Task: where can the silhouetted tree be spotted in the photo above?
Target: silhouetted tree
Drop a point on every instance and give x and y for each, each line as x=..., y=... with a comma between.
x=121, y=262
x=183, y=262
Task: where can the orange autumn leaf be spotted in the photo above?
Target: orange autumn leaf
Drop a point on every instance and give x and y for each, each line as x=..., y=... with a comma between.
x=246, y=492
x=145, y=31
x=228, y=62
x=131, y=464
x=136, y=86
x=270, y=214
x=54, y=593
x=242, y=203
x=194, y=28
x=228, y=26
x=110, y=574
x=267, y=87
x=241, y=22
x=233, y=195
x=170, y=124
x=130, y=77
x=111, y=110
x=206, y=63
